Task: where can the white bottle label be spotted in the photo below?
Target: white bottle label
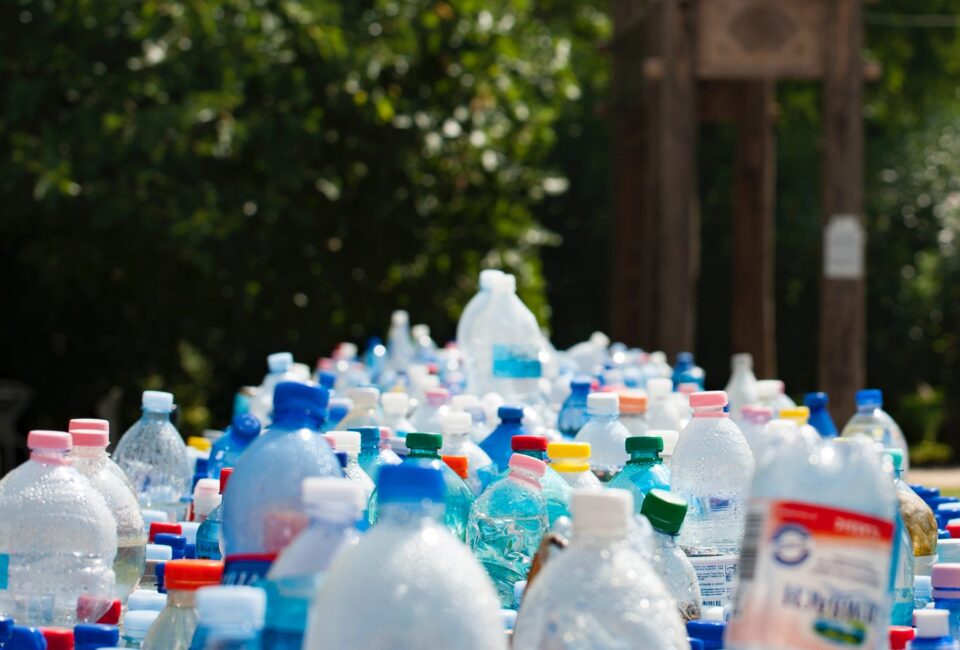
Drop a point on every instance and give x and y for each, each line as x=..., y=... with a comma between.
x=717, y=576
x=813, y=576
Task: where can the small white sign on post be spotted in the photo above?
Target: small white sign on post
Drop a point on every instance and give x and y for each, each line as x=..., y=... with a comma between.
x=843, y=248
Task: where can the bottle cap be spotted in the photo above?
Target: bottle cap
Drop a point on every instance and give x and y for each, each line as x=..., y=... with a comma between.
x=347, y=441
x=605, y=512
x=528, y=464
x=136, y=623
x=245, y=426
x=710, y=632
x=798, y=414
x=89, y=438
x=225, y=475
x=158, y=527
x=644, y=443
x=177, y=543
x=231, y=605
x=695, y=644
x=326, y=379
x=665, y=510
x=816, y=401
x=293, y=396
x=922, y=586
x=420, y=330
x=688, y=388
x=633, y=402
x=333, y=494
x=339, y=407
x=190, y=528
x=564, y=450
x=870, y=397
x=89, y=424
x=741, y=360
x=430, y=441
x=141, y=599
x=895, y=455
x=199, y=443
x=400, y=318
x=57, y=638
x=528, y=443
x=455, y=423
x=156, y=400
x=395, y=403
x=931, y=623
x=510, y=413
x=684, y=358
x=437, y=396
x=659, y=387
x=93, y=635
x=25, y=638
x=369, y=436
x=159, y=552
x=465, y=402
x=49, y=440
x=410, y=483
x=580, y=384
x=89, y=606
x=206, y=496
x=708, y=399
x=364, y=396
x=459, y=464
x=487, y=277
x=188, y=575
x=900, y=635
x=279, y=361
x=756, y=414
x=603, y=403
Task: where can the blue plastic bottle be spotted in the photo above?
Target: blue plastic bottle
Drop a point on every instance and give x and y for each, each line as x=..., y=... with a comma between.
x=89, y=636
x=497, y=444
x=820, y=419
x=208, y=545
x=298, y=574
x=226, y=451
x=372, y=457
x=573, y=413
x=933, y=631
x=229, y=618
x=686, y=371
x=644, y=471
x=262, y=511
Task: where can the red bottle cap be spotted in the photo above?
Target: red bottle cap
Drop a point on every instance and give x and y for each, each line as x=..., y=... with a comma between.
x=900, y=635
x=57, y=638
x=528, y=443
x=224, y=477
x=164, y=527
x=190, y=575
x=112, y=615
x=458, y=464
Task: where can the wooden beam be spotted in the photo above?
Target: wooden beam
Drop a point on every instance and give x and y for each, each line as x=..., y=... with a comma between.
x=753, y=316
x=842, y=296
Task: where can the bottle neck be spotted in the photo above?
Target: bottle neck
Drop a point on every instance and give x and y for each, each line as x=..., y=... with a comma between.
x=49, y=457
x=709, y=412
x=424, y=453
x=867, y=409
x=368, y=447
x=665, y=539
x=603, y=417
x=644, y=458
x=181, y=598
x=533, y=453
x=155, y=416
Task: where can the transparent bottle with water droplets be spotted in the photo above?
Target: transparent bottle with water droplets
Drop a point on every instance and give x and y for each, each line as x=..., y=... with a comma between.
x=665, y=512
x=456, y=426
x=605, y=434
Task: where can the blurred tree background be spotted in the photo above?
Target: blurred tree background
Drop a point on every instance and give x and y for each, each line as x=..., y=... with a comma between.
x=188, y=186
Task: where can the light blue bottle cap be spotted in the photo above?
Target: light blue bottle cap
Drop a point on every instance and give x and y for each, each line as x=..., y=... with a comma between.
x=189, y=530
x=279, y=361
x=509, y=618
x=159, y=552
x=948, y=551
x=157, y=400
x=245, y=426
x=137, y=623
x=221, y=606
x=151, y=516
x=143, y=599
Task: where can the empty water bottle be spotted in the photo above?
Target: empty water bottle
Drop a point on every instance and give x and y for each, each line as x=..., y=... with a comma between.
x=556, y=491
x=375, y=451
x=366, y=408
x=661, y=413
x=230, y=618
x=58, y=540
x=571, y=460
x=497, y=445
x=920, y=522
x=573, y=413
x=666, y=512
x=349, y=442
x=686, y=371
x=820, y=419
x=174, y=628
x=473, y=308
x=399, y=344
x=279, y=369
x=424, y=586
x=742, y=388
x=871, y=420
x=225, y=452
x=605, y=435
x=428, y=418
x=395, y=407
x=209, y=545
x=753, y=422
x=456, y=428
x=644, y=471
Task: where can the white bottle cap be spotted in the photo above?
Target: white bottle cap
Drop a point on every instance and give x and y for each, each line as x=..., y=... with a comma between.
x=420, y=331
x=189, y=528
x=136, y=623
x=143, y=599
x=600, y=339
x=157, y=400
x=487, y=276
x=395, y=403
x=742, y=360
x=605, y=512
x=206, y=496
x=347, y=441
x=464, y=402
x=659, y=387
x=767, y=389
x=400, y=318
x=505, y=283
x=669, y=438
x=347, y=350
x=231, y=606
x=603, y=403
x=712, y=614
x=365, y=396
x=430, y=382
x=658, y=357
x=279, y=361
x=159, y=552
x=150, y=516
x=333, y=496
x=931, y=623
x=455, y=422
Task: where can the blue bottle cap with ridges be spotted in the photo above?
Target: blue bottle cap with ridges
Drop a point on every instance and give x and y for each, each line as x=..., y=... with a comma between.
x=246, y=426
x=581, y=383
x=710, y=632
x=817, y=400
x=410, y=483
x=293, y=396
x=91, y=635
x=510, y=412
x=327, y=379
x=26, y=638
x=870, y=397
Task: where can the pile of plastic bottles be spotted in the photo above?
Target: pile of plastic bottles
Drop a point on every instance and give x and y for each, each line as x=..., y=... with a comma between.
x=493, y=492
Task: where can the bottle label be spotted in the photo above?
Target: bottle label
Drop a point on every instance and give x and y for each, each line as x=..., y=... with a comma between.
x=4, y=570
x=717, y=577
x=246, y=569
x=208, y=549
x=516, y=362
x=812, y=575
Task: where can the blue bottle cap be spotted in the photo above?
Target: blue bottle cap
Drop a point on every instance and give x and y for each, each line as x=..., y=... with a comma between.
x=6, y=628
x=245, y=426
x=159, y=570
x=508, y=412
x=816, y=400
x=368, y=435
x=684, y=358
x=190, y=551
x=177, y=543
x=925, y=493
x=581, y=383
x=26, y=638
x=327, y=379
x=710, y=632
x=293, y=396
x=943, y=534
x=410, y=483
x=695, y=644
x=870, y=397
x=88, y=636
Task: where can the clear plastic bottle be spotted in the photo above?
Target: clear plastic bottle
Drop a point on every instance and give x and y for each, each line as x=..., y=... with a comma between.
x=424, y=347
x=90, y=458
x=296, y=577
x=573, y=413
x=644, y=471
x=599, y=592
x=366, y=409
x=242, y=431
x=556, y=491
x=155, y=459
x=395, y=407
x=711, y=468
x=918, y=518
x=605, y=435
x=753, y=420
x=471, y=404
x=423, y=586
x=175, y=626
x=456, y=426
x=933, y=631
x=497, y=445
x=665, y=512
x=871, y=420
x=157, y=555
x=399, y=344
x=279, y=369
x=427, y=418
x=230, y=618
x=820, y=419
x=571, y=460
x=374, y=454
x=58, y=540
x=349, y=442
x=820, y=529
x=209, y=544
x=742, y=388
x=507, y=523
x=143, y=599
x=262, y=511
x=136, y=625
x=95, y=424
x=476, y=304
x=661, y=414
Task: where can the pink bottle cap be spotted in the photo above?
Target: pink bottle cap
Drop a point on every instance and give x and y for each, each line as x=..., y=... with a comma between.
x=437, y=396
x=52, y=440
x=89, y=424
x=708, y=399
x=528, y=464
x=761, y=414
x=89, y=438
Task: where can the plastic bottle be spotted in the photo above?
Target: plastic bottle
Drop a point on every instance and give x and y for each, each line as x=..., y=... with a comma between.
x=206, y=497
x=471, y=405
x=599, y=592
x=753, y=421
x=395, y=408
x=456, y=426
x=337, y=409
x=296, y=577
x=209, y=538
x=633, y=409
x=799, y=534
x=900, y=636
x=95, y=424
x=933, y=631
x=507, y=523
x=666, y=512
x=156, y=554
x=820, y=419
x=711, y=469
x=427, y=419
x=573, y=413
x=230, y=618
x=279, y=369
x=918, y=518
x=349, y=442
x=424, y=587
x=497, y=445
x=89, y=456
x=154, y=457
x=373, y=454
x=473, y=308
x=556, y=491
x=175, y=626
x=742, y=387
x=136, y=625
x=262, y=511
x=871, y=420
x=661, y=414
x=399, y=344
x=58, y=539
x=366, y=410
x=686, y=371
x=424, y=347
x=571, y=460
x=903, y=599
x=242, y=431
x=605, y=435
x=768, y=394
x=644, y=471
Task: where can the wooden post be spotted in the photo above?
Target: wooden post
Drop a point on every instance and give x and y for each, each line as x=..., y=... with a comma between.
x=753, y=316
x=842, y=294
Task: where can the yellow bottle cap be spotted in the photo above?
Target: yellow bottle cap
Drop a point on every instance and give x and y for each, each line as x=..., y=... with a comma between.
x=201, y=444
x=798, y=414
x=569, y=456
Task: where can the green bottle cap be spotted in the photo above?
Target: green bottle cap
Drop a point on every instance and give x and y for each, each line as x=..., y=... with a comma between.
x=665, y=510
x=644, y=443
x=430, y=441
x=896, y=457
